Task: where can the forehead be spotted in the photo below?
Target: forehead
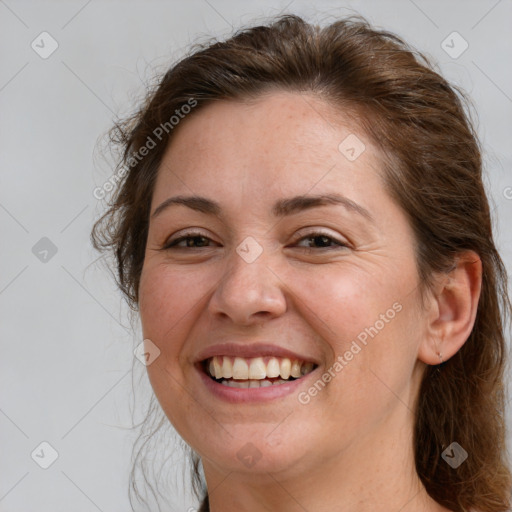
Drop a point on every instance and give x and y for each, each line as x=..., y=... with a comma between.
x=278, y=142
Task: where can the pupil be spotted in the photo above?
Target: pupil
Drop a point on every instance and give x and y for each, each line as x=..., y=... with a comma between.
x=324, y=240
x=193, y=240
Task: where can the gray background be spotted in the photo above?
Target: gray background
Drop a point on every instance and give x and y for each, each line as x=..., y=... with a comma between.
x=66, y=337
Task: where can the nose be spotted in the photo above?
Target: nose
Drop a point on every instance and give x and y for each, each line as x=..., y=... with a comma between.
x=248, y=293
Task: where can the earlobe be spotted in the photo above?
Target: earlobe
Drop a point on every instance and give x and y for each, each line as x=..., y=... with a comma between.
x=452, y=310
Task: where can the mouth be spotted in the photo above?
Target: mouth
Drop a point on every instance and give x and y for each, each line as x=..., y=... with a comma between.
x=255, y=372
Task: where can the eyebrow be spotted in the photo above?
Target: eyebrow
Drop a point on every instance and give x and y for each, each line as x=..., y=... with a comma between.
x=282, y=208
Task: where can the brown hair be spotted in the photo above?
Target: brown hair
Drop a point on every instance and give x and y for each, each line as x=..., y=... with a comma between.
x=432, y=168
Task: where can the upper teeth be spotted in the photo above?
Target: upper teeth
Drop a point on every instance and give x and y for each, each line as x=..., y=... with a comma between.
x=224, y=367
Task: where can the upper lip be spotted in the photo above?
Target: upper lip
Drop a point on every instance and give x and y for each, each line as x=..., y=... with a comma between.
x=251, y=350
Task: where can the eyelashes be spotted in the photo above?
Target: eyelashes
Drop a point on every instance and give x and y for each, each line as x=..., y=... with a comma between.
x=188, y=237
x=317, y=237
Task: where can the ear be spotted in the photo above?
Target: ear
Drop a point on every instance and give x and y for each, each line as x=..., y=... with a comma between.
x=451, y=309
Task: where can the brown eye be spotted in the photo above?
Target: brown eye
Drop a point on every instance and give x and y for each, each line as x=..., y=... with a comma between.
x=321, y=241
x=192, y=240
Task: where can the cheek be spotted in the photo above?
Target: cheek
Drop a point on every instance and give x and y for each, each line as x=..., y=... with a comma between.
x=168, y=297
x=169, y=302
x=340, y=301
x=369, y=326
x=166, y=304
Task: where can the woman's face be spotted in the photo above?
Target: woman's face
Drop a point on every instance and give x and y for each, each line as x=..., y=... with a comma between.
x=270, y=280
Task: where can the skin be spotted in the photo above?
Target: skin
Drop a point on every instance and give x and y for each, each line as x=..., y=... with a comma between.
x=350, y=448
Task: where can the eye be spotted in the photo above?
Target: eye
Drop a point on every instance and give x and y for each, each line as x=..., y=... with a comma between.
x=315, y=240
x=190, y=240
x=321, y=240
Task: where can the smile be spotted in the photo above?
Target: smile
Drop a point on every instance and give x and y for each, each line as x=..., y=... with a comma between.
x=255, y=372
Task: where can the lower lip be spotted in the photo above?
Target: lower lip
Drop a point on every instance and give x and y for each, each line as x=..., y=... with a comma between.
x=239, y=395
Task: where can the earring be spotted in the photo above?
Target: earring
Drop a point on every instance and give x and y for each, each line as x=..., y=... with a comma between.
x=438, y=367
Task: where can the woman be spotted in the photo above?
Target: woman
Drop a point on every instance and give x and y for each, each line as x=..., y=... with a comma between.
x=303, y=229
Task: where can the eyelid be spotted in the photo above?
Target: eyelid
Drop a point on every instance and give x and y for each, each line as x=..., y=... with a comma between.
x=313, y=230
x=187, y=233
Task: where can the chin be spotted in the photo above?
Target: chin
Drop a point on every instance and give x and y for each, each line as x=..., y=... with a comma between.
x=254, y=449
